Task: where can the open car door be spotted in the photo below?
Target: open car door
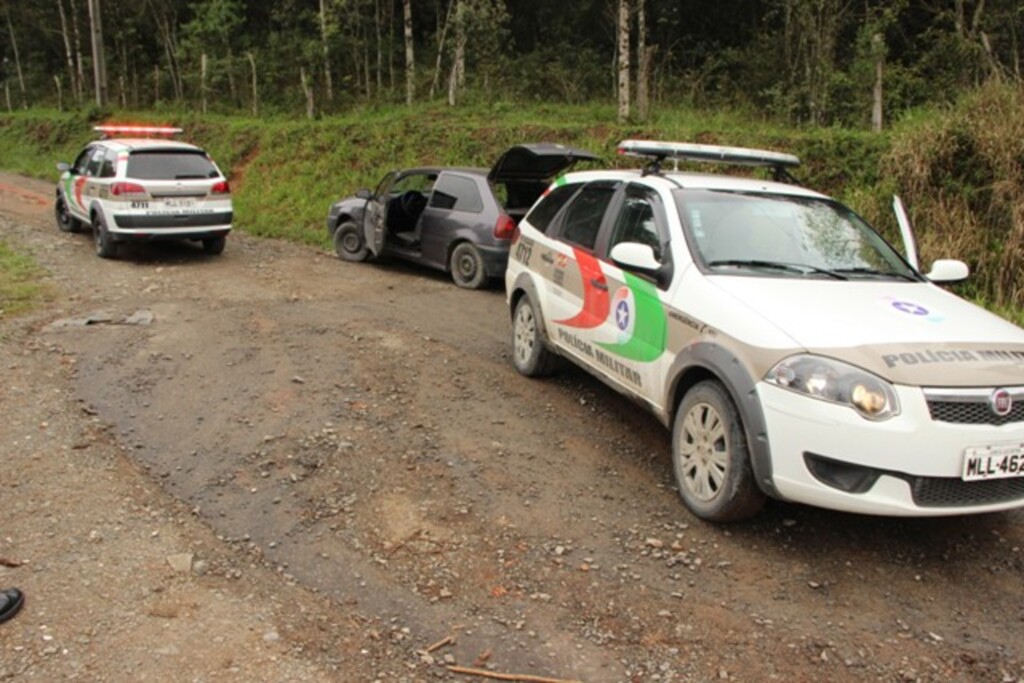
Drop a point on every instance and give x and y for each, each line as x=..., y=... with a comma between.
x=375, y=214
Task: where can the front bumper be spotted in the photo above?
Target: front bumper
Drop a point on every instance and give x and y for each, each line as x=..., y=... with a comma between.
x=829, y=456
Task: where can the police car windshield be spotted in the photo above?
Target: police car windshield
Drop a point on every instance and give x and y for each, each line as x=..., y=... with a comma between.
x=170, y=165
x=819, y=236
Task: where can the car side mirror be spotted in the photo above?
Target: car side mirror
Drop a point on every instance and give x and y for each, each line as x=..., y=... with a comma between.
x=63, y=167
x=948, y=270
x=635, y=256
x=364, y=193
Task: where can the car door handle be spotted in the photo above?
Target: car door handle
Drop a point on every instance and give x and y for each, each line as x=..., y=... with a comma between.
x=599, y=284
x=547, y=258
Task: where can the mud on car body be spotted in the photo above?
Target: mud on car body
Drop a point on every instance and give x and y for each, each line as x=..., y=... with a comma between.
x=458, y=220
x=792, y=351
x=139, y=188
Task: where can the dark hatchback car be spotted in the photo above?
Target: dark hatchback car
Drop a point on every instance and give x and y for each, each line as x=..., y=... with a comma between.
x=459, y=220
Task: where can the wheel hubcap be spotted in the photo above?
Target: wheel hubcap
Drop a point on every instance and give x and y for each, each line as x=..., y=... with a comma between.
x=350, y=242
x=467, y=266
x=525, y=334
x=703, y=452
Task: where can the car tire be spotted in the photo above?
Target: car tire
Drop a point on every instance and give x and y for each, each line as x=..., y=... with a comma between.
x=214, y=245
x=349, y=243
x=467, y=266
x=106, y=247
x=65, y=221
x=710, y=456
x=530, y=354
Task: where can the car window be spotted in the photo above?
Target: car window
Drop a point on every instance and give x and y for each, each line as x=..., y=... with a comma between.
x=541, y=215
x=583, y=216
x=636, y=221
x=457, y=193
x=92, y=167
x=108, y=166
x=170, y=165
x=416, y=182
x=82, y=161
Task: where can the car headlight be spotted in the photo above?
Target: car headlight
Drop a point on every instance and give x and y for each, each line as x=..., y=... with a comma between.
x=831, y=380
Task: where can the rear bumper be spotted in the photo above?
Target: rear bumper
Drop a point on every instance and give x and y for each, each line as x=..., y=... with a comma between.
x=495, y=260
x=171, y=222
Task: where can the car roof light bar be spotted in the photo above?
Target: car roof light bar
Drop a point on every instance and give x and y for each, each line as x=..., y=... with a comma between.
x=658, y=151
x=137, y=130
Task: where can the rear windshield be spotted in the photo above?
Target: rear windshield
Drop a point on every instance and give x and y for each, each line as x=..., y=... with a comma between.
x=170, y=165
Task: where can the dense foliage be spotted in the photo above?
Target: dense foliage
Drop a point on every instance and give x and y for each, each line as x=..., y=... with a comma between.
x=813, y=61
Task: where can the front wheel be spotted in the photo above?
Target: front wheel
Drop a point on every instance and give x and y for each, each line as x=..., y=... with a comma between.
x=529, y=354
x=65, y=221
x=467, y=266
x=710, y=456
x=349, y=243
x=106, y=247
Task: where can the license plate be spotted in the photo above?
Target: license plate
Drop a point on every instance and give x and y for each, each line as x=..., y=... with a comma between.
x=993, y=462
x=182, y=203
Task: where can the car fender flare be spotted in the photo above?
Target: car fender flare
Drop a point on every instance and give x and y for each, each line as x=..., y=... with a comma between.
x=524, y=285
x=694, y=363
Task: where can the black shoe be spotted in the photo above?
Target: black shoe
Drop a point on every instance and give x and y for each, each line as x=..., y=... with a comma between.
x=11, y=600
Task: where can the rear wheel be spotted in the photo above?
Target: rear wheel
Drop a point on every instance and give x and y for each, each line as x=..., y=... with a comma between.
x=65, y=221
x=710, y=456
x=467, y=266
x=214, y=245
x=349, y=243
x=106, y=247
x=529, y=354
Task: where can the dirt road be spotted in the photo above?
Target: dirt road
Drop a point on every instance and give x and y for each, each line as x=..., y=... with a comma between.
x=272, y=465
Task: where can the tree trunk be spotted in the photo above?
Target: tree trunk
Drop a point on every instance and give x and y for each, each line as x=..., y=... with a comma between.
x=156, y=83
x=622, y=32
x=255, y=93
x=17, y=62
x=327, y=52
x=380, y=50
x=60, y=93
x=79, y=69
x=440, y=49
x=643, y=68
x=307, y=88
x=67, y=48
x=99, y=63
x=202, y=82
x=410, y=61
x=876, y=109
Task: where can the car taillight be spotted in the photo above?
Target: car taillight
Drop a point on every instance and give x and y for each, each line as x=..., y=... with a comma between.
x=220, y=187
x=505, y=227
x=127, y=190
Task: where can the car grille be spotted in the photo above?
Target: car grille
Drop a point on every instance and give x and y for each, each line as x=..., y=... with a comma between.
x=945, y=492
x=971, y=406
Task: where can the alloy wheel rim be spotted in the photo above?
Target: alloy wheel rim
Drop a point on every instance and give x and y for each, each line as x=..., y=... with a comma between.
x=703, y=452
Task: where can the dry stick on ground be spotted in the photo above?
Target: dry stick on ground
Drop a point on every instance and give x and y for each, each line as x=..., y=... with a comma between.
x=523, y=678
x=447, y=640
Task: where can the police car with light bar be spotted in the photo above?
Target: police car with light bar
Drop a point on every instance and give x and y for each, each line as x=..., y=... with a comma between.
x=136, y=184
x=792, y=351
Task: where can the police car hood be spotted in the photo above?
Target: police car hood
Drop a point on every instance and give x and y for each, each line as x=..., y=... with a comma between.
x=909, y=333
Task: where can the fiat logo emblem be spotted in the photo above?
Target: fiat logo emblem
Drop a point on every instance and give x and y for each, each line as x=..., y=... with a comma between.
x=1001, y=402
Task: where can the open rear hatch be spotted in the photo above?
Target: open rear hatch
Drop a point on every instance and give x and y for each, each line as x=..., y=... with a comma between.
x=525, y=170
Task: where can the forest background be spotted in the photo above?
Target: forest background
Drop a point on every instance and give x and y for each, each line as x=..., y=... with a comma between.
x=302, y=101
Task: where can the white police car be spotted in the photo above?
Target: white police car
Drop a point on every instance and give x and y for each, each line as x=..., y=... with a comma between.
x=792, y=351
x=141, y=186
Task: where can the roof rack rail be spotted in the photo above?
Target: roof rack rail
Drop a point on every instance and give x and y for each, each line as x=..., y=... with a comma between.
x=115, y=129
x=657, y=151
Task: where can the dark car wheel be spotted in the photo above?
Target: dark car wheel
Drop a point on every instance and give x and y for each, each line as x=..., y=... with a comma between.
x=65, y=221
x=710, y=456
x=349, y=243
x=529, y=354
x=106, y=247
x=467, y=266
x=214, y=245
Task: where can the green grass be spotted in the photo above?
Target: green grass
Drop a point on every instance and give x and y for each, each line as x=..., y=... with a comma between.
x=23, y=283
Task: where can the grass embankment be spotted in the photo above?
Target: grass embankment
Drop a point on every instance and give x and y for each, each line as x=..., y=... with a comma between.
x=22, y=282
x=960, y=172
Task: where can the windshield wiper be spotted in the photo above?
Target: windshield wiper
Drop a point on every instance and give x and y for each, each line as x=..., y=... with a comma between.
x=801, y=268
x=874, y=272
